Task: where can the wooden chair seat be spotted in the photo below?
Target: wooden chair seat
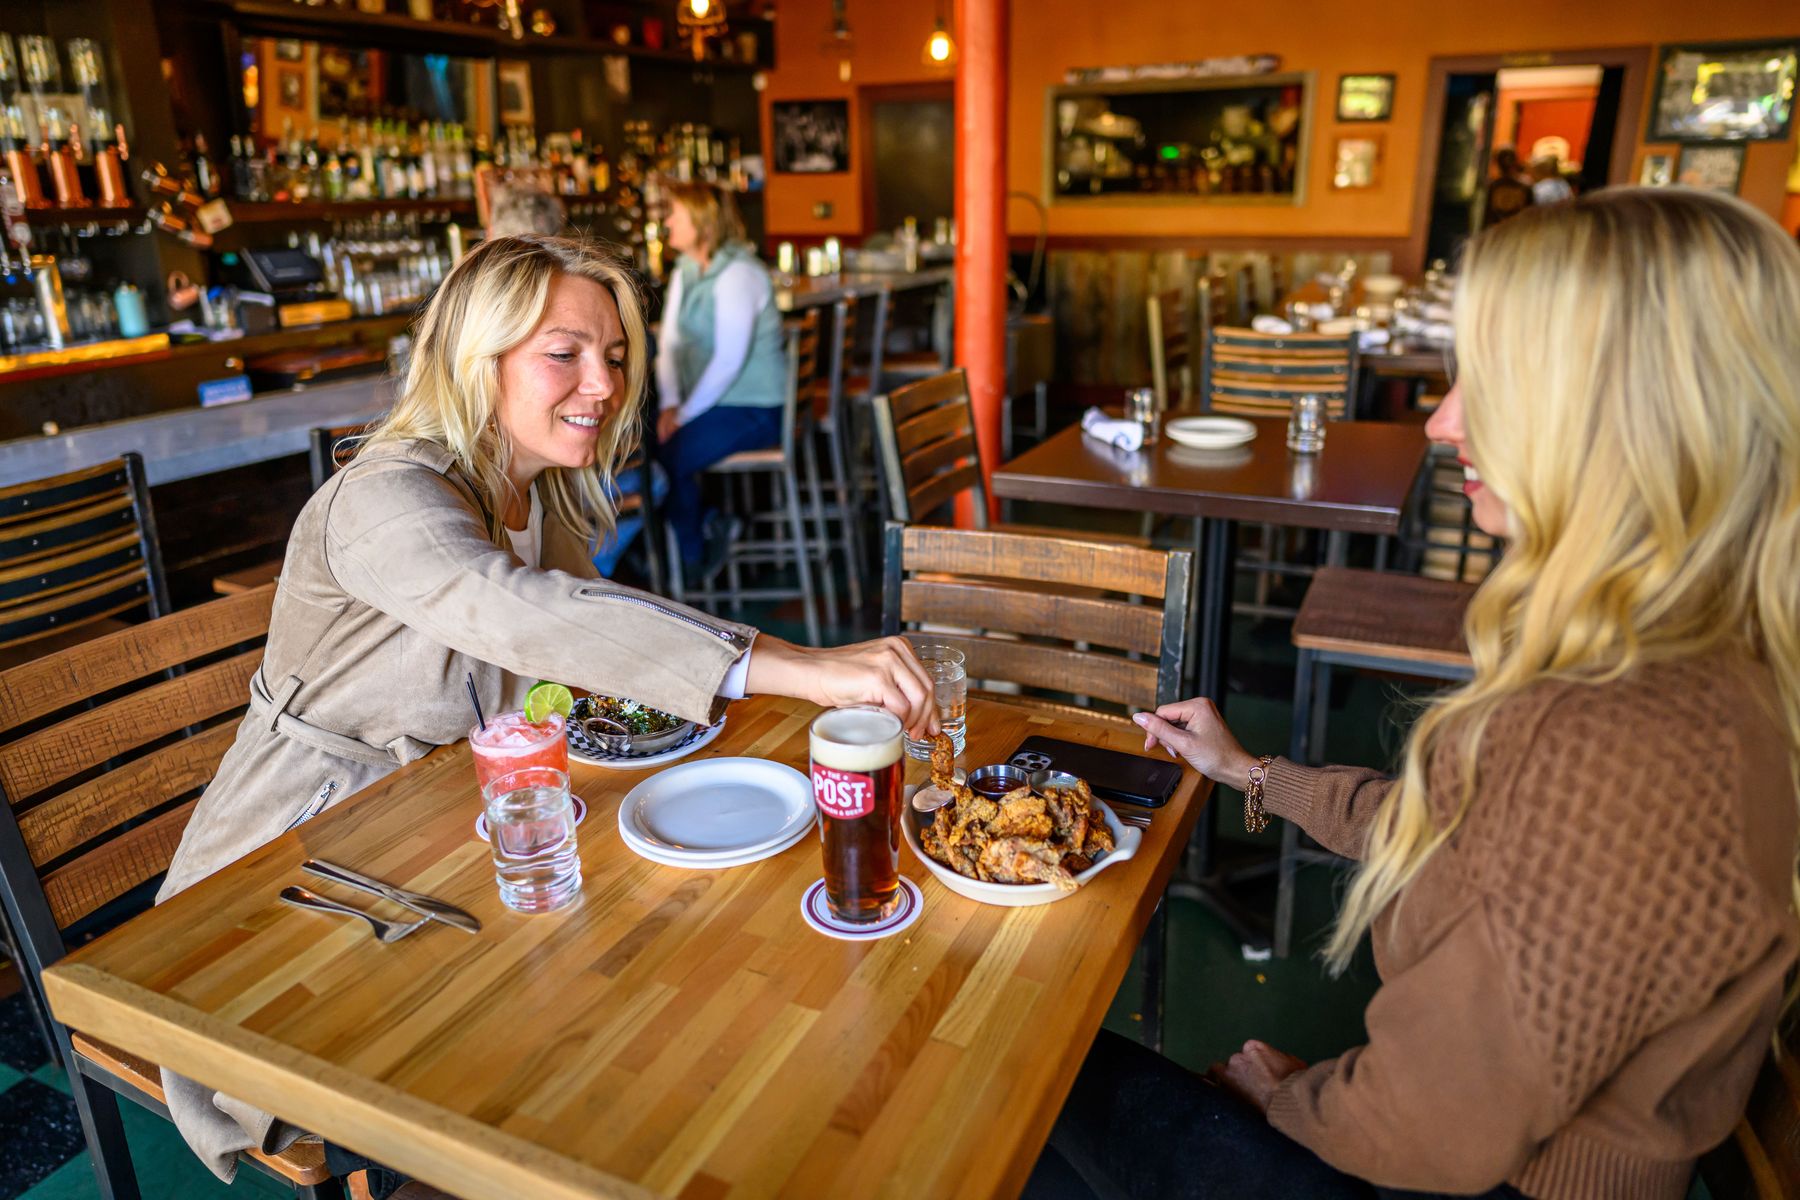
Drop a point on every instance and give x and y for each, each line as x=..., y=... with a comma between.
x=247, y=579
x=1375, y=614
x=302, y=1164
x=749, y=460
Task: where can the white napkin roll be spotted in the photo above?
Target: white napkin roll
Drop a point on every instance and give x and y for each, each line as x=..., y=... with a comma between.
x=1265, y=323
x=1126, y=435
x=1373, y=337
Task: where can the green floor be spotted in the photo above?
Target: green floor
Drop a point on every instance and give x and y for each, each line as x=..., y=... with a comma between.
x=1216, y=996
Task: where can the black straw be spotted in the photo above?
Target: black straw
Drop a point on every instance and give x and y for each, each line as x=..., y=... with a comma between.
x=476, y=701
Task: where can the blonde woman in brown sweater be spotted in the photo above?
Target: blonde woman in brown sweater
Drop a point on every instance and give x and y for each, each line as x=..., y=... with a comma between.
x=1580, y=889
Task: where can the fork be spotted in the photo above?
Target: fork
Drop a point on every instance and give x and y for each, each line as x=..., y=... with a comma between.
x=1136, y=820
x=385, y=931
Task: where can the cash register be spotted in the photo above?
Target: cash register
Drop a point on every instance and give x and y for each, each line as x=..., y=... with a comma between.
x=296, y=280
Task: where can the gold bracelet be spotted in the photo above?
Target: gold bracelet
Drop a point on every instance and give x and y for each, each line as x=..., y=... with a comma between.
x=1254, y=820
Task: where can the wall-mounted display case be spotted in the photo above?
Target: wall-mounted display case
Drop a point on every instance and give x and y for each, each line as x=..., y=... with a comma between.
x=1232, y=139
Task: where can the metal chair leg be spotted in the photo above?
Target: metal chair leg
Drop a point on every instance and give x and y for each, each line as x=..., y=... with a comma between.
x=104, y=1130
x=1300, y=746
x=733, y=577
x=790, y=488
x=840, y=469
x=816, y=498
x=1156, y=953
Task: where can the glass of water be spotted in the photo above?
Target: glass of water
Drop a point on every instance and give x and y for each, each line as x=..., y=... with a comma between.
x=945, y=666
x=531, y=824
x=1306, y=425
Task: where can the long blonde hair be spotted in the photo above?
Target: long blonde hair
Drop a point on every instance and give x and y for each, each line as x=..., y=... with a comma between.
x=490, y=303
x=1630, y=373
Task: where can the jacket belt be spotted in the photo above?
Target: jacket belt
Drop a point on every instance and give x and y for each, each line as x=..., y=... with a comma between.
x=272, y=710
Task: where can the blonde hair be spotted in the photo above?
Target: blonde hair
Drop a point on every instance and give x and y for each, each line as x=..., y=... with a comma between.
x=490, y=303
x=715, y=213
x=1630, y=371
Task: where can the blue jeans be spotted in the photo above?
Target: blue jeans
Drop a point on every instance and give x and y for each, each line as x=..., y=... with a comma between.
x=613, y=547
x=1138, y=1125
x=715, y=434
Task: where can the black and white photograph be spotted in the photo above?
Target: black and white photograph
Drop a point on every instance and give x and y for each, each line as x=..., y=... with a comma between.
x=812, y=137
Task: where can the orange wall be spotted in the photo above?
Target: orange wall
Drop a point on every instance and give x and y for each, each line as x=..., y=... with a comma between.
x=1049, y=36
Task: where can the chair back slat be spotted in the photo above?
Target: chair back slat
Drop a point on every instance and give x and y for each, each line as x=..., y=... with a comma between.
x=951, y=387
x=76, y=549
x=1096, y=566
x=45, y=758
x=1034, y=611
x=115, y=867
x=36, y=689
x=1248, y=373
x=935, y=459
x=1054, y=668
x=940, y=490
x=1072, y=618
x=71, y=819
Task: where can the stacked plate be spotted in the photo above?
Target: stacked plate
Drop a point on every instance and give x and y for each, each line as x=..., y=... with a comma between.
x=717, y=813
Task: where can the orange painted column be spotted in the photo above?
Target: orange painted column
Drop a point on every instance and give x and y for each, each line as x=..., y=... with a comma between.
x=981, y=296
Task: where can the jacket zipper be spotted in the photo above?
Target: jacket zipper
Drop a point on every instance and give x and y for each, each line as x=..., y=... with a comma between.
x=730, y=637
x=320, y=799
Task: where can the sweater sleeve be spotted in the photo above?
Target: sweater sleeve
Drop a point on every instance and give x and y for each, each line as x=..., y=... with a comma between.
x=1335, y=805
x=668, y=337
x=739, y=296
x=1448, y=1095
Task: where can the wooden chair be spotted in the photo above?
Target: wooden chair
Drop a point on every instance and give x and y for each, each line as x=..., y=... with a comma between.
x=789, y=466
x=104, y=749
x=76, y=552
x=1251, y=374
x=1169, y=320
x=1062, y=615
x=1371, y=621
x=925, y=441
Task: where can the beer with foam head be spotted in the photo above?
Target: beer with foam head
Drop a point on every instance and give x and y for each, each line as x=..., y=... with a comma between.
x=857, y=781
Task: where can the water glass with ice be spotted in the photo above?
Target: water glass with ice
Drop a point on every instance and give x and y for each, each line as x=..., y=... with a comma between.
x=950, y=679
x=531, y=825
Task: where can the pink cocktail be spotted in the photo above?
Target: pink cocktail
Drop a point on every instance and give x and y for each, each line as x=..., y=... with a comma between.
x=511, y=743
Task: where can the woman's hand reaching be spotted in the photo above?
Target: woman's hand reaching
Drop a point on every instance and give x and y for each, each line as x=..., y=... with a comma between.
x=1194, y=730
x=883, y=672
x=1254, y=1073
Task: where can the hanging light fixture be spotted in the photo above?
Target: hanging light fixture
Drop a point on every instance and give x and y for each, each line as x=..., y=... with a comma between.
x=940, y=47
x=698, y=20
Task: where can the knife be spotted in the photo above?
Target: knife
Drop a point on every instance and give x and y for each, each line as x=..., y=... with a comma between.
x=429, y=906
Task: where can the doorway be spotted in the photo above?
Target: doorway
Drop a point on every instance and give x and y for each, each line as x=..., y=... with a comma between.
x=910, y=170
x=1570, y=111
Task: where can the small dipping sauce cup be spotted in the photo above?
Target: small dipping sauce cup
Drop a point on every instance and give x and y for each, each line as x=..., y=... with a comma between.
x=997, y=780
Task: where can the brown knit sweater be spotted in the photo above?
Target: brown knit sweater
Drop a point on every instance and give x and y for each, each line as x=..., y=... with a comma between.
x=1578, y=988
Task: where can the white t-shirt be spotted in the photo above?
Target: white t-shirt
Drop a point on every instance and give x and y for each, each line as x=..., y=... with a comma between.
x=527, y=543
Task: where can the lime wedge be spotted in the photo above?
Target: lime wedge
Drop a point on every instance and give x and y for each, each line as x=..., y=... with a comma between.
x=546, y=698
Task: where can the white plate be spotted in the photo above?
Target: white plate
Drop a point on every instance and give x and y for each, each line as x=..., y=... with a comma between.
x=1210, y=433
x=1126, y=839
x=717, y=808
x=688, y=863
x=701, y=738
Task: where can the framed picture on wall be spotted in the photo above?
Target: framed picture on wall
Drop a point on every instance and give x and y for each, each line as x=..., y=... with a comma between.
x=1365, y=97
x=1357, y=161
x=812, y=137
x=515, y=92
x=1658, y=170
x=1715, y=168
x=1728, y=92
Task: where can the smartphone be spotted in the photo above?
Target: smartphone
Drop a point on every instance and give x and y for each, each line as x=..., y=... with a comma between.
x=1110, y=774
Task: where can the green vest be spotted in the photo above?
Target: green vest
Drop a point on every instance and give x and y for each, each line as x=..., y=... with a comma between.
x=762, y=382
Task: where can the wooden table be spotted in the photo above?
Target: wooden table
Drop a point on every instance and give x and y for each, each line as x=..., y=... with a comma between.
x=677, y=1033
x=1358, y=484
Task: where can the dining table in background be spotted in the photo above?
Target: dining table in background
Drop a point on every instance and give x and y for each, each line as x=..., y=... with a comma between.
x=1358, y=484
x=673, y=1033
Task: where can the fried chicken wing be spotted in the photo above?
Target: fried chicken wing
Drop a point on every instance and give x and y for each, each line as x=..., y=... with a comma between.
x=943, y=760
x=1015, y=860
x=1022, y=815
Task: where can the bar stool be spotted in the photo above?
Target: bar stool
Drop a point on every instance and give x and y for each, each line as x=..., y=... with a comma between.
x=787, y=467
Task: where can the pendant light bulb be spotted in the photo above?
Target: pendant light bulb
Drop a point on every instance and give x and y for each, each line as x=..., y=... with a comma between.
x=940, y=48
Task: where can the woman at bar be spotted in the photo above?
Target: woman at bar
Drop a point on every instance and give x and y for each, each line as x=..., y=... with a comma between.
x=720, y=370
x=1580, y=888
x=455, y=546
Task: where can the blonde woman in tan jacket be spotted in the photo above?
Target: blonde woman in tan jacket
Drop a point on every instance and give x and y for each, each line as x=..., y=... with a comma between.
x=456, y=544
x=1580, y=890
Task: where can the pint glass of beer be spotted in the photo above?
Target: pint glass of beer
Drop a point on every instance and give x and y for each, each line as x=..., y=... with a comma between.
x=856, y=778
